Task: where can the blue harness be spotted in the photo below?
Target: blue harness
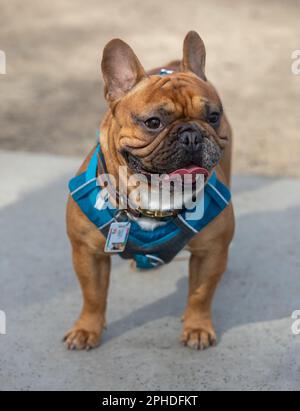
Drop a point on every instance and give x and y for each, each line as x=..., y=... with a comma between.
x=148, y=248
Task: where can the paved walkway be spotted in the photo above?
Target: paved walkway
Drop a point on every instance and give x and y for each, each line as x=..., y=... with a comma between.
x=140, y=349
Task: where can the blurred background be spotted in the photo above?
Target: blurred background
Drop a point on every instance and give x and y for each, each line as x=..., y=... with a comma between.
x=52, y=97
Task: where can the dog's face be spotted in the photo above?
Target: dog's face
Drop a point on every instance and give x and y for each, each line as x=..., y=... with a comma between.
x=162, y=124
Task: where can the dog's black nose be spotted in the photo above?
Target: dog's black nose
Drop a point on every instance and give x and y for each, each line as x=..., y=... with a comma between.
x=190, y=137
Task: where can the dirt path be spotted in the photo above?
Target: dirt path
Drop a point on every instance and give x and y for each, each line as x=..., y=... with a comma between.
x=51, y=98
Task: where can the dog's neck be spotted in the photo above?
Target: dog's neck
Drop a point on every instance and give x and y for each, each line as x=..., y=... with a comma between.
x=154, y=203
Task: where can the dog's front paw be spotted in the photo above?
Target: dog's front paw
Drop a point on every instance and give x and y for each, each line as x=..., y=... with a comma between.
x=198, y=335
x=79, y=338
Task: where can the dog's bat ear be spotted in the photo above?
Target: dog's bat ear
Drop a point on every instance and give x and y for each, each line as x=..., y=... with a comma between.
x=194, y=54
x=121, y=69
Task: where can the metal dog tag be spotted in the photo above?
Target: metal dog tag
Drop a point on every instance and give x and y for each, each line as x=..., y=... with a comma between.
x=117, y=237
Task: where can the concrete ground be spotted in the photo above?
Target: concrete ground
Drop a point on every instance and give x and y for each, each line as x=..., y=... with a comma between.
x=140, y=350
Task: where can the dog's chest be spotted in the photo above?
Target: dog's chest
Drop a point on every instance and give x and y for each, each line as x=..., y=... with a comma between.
x=147, y=224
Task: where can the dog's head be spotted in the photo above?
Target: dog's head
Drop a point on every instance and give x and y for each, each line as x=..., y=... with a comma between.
x=162, y=124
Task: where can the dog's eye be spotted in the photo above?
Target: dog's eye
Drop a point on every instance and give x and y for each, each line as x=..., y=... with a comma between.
x=214, y=118
x=153, y=123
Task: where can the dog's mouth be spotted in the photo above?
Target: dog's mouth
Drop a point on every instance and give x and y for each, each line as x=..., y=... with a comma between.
x=192, y=171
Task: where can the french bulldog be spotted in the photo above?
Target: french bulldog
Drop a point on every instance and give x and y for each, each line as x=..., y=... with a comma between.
x=156, y=125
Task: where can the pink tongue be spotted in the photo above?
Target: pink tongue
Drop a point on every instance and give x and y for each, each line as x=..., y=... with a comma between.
x=194, y=170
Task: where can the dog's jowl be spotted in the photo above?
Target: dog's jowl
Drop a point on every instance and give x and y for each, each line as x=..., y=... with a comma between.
x=167, y=123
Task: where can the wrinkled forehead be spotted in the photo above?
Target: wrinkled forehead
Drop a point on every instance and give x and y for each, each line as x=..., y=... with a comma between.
x=180, y=93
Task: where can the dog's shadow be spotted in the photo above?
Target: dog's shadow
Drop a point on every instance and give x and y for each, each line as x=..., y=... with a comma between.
x=261, y=283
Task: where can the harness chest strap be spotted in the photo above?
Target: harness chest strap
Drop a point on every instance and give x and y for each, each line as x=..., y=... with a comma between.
x=148, y=248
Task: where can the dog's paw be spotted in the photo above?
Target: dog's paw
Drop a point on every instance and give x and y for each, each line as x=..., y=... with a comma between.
x=199, y=338
x=80, y=339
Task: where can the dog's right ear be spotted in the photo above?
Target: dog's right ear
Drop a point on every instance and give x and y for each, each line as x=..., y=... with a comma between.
x=121, y=69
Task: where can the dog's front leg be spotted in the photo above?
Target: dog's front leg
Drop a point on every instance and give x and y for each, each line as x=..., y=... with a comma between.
x=205, y=271
x=93, y=272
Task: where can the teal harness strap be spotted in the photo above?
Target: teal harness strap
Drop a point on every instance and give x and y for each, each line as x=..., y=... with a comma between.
x=148, y=248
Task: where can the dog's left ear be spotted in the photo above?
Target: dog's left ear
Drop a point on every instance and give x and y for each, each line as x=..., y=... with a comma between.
x=194, y=54
x=121, y=69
